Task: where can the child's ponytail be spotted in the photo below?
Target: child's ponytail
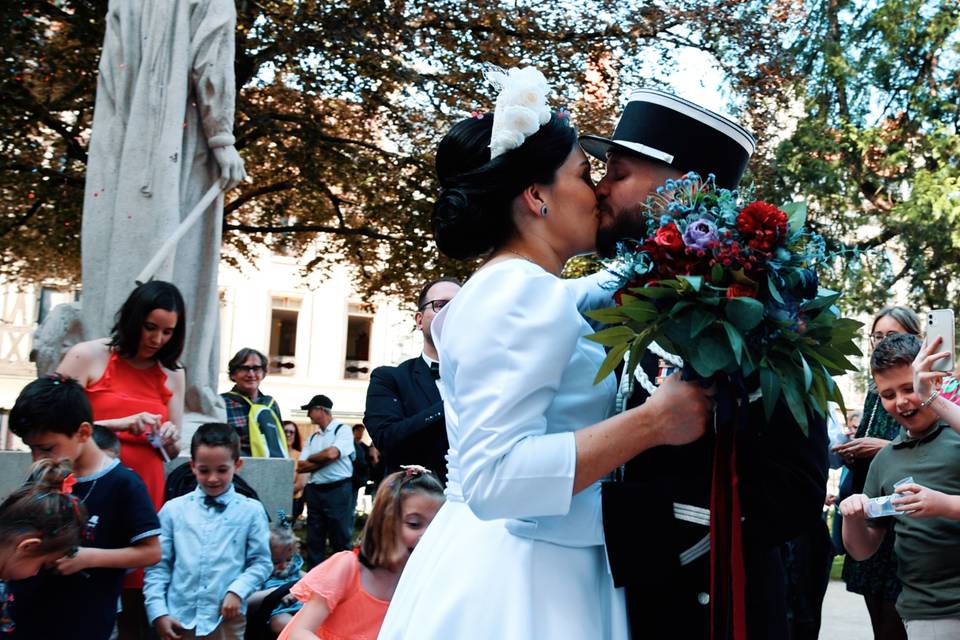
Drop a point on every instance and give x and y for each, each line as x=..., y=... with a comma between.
x=45, y=507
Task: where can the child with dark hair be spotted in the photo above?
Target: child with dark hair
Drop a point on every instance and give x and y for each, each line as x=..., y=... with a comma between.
x=927, y=522
x=215, y=547
x=39, y=523
x=52, y=416
x=107, y=440
x=347, y=596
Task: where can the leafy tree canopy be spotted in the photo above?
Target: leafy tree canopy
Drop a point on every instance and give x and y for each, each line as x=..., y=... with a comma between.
x=341, y=104
x=876, y=150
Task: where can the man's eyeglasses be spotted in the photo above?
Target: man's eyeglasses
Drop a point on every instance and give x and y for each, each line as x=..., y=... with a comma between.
x=877, y=336
x=436, y=305
x=246, y=368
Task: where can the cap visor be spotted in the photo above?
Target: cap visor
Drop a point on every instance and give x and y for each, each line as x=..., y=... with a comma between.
x=596, y=146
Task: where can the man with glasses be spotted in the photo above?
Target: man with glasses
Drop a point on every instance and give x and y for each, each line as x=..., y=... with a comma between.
x=404, y=413
x=254, y=415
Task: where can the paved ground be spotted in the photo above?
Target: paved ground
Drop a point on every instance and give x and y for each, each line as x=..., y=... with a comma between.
x=844, y=615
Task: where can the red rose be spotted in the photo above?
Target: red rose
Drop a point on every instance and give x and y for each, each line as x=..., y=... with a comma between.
x=737, y=290
x=763, y=225
x=669, y=237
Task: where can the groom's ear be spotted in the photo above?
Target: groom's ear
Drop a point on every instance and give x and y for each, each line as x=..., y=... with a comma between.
x=532, y=199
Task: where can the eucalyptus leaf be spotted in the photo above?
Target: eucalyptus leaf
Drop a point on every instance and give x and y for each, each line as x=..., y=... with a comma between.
x=774, y=292
x=700, y=320
x=736, y=341
x=744, y=313
x=709, y=354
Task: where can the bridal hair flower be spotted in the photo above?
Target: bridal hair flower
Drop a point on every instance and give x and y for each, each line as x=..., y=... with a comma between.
x=521, y=107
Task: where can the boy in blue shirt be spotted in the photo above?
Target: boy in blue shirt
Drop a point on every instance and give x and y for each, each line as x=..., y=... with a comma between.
x=216, y=547
x=78, y=597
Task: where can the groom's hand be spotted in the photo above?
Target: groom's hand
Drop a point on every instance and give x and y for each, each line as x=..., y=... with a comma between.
x=682, y=409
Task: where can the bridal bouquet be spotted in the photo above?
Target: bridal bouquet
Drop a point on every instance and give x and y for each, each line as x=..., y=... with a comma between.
x=733, y=290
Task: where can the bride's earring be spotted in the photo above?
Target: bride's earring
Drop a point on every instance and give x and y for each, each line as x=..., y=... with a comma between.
x=543, y=211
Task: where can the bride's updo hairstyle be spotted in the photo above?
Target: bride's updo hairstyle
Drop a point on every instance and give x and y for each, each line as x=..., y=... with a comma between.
x=473, y=216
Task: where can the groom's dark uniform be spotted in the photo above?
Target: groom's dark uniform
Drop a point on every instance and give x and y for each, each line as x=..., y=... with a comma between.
x=656, y=523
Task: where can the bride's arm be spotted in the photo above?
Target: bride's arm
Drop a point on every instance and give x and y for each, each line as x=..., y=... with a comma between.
x=507, y=375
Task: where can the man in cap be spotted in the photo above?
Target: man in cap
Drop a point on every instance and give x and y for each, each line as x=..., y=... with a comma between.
x=404, y=412
x=657, y=518
x=328, y=458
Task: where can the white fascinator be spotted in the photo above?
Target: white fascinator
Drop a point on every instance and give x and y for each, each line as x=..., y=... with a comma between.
x=521, y=107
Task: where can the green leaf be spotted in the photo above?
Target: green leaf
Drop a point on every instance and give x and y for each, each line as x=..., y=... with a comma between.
x=700, y=320
x=794, y=398
x=614, y=357
x=608, y=315
x=744, y=313
x=807, y=373
x=612, y=337
x=796, y=215
x=825, y=298
x=736, y=340
x=655, y=293
x=770, y=388
x=774, y=293
x=641, y=311
x=709, y=355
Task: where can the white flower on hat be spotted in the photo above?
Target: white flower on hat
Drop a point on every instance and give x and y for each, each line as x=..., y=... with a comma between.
x=521, y=107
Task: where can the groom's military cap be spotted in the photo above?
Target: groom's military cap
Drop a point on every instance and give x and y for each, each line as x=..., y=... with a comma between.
x=684, y=135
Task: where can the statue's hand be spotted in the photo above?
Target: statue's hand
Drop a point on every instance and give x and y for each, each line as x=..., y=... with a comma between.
x=231, y=166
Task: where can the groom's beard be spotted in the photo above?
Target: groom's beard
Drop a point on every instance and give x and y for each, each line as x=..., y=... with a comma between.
x=628, y=223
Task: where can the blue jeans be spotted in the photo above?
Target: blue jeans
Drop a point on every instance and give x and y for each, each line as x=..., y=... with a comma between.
x=329, y=516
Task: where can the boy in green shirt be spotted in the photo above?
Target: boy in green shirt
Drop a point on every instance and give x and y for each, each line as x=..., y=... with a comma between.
x=928, y=519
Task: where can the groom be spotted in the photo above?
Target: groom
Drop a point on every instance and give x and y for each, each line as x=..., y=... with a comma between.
x=657, y=519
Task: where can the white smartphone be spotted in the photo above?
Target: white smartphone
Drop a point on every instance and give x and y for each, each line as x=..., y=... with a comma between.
x=940, y=322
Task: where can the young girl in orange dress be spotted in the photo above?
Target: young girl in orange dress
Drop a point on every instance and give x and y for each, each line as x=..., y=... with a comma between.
x=346, y=597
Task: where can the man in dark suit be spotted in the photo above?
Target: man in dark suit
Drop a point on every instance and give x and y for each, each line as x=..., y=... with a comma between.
x=404, y=413
x=657, y=519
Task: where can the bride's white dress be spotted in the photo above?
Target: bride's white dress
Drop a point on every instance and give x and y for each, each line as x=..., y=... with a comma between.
x=512, y=554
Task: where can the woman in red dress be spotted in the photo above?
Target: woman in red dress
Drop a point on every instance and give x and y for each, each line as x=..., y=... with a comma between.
x=135, y=385
x=134, y=381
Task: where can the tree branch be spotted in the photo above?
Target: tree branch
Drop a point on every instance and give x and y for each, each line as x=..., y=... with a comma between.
x=366, y=232
x=247, y=196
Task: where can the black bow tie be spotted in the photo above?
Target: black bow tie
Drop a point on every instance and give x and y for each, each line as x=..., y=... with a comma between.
x=435, y=370
x=213, y=503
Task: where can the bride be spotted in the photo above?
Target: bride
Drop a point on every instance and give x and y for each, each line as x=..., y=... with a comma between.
x=517, y=550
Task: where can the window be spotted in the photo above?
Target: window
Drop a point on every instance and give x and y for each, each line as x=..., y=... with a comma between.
x=359, y=329
x=283, y=335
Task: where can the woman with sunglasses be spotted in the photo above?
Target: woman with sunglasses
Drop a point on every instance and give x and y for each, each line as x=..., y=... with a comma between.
x=876, y=578
x=255, y=415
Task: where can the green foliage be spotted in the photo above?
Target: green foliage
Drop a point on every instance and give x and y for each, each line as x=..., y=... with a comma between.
x=716, y=335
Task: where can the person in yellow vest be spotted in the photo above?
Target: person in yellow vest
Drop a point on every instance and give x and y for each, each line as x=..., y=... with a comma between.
x=254, y=415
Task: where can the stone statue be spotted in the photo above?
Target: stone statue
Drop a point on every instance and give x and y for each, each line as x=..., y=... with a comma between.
x=162, y=136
